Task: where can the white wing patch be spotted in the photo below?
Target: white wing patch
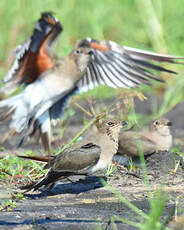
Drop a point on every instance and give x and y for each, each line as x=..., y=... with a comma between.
x=19, y=52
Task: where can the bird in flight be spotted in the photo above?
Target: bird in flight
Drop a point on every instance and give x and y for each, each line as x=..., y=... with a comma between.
x=50, y=81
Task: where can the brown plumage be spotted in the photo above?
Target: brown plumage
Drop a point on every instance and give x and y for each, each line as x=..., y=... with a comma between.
x=83, y=158
x=50, y=81
x=33, y=57
x=153, y=139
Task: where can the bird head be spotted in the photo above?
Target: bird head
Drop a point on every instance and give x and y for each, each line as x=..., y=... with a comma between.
x=81, y=55
x=161, y=125
x=112, y=127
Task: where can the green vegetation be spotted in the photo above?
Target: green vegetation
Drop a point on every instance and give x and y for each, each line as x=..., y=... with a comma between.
x=152, y=25
x=151, y=221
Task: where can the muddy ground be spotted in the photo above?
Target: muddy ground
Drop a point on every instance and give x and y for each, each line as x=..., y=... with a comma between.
x=89, y=204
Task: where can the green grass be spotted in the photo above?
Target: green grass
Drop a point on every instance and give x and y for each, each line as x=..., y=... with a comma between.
x=155, y=25
x=125, y=22
x=149, y=221
x=15, y=172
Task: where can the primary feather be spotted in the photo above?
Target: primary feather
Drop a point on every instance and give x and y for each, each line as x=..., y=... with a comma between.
x=50, y=81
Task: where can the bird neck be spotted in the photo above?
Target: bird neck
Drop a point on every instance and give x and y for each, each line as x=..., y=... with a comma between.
x=164, y=131
x=80, y=61
x=68, y=68
x=111, y=134
x=113, y=137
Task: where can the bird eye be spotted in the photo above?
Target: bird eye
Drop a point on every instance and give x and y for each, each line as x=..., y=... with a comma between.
x=110, y=123
x=78, y=51
x=157, y=123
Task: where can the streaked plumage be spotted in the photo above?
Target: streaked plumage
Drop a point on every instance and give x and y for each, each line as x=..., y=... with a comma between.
x=83, y=158
x=50, y=81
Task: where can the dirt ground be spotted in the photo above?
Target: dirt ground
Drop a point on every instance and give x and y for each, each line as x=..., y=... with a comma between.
x=89, y=204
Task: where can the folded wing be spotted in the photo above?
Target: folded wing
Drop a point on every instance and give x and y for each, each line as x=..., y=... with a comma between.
x=72, y=161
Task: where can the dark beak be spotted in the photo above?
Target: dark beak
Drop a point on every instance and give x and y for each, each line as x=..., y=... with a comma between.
x=169, y=123
x=124, y=123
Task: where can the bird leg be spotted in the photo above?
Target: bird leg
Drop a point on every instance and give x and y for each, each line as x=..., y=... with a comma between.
x=46, y=144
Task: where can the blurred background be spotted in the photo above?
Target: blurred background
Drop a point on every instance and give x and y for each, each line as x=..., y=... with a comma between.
x=155, y=25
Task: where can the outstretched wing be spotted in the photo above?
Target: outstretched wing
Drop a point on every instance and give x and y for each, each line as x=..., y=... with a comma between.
x=34, y=56
x=120, y=66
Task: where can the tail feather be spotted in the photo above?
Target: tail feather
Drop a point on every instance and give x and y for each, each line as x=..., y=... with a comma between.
x=36, y=158
x=28, y=187
x=16, y=109
x=40, y=126
x=48, y=181
x=12, y=101
x=8, y=89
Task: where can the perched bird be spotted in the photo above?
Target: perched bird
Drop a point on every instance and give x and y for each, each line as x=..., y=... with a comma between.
x=50, y=81
x=83, y=158
x=156, y=138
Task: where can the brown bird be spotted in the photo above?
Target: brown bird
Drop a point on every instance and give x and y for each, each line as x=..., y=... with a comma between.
x=156, y=138
x=83, y=158
x=50, y=81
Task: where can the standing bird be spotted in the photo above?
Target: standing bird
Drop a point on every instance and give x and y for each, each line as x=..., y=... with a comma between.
x=156, y=138
x=50, y=81
x=83, y=158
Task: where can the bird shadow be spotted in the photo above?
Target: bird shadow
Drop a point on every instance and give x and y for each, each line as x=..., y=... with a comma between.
x=39, y=223
x=90, y=183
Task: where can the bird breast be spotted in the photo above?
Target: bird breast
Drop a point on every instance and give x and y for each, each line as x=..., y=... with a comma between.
x=163, y=142
x=108, y=149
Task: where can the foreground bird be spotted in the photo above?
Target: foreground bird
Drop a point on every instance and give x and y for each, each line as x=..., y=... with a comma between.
x=156, y=138
x=83, y=158
x=50, y=81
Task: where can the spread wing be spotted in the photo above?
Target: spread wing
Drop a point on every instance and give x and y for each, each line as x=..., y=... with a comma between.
x=121, y=66
x=115, y=66
x=34, y=56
